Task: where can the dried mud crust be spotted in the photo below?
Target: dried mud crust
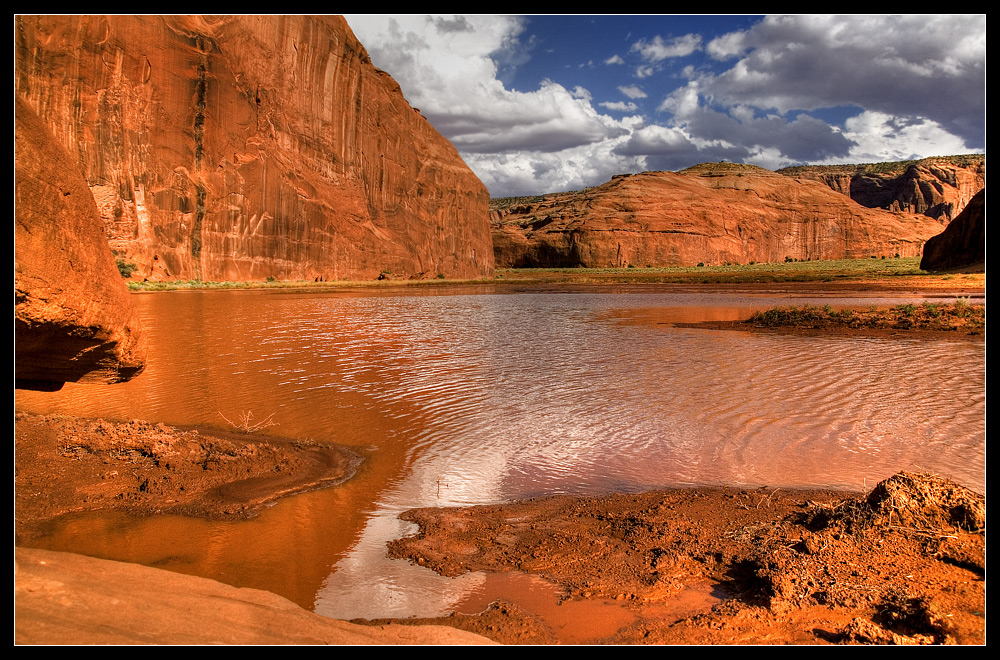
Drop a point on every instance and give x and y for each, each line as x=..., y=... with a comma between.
x=903, y=565
x=64, y=464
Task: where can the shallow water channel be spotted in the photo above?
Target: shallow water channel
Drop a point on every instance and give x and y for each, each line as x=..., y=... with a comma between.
x=478, y=394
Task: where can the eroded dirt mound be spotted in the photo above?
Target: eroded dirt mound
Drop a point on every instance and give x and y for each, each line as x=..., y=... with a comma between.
x=928, y=503
x=795, y=567
x=64, y=464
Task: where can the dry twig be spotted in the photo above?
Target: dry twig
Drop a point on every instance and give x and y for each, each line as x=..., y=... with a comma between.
x=246, y=423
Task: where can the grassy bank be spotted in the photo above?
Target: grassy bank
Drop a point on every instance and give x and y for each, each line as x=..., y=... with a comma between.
x=180, y=285
x=901, y=272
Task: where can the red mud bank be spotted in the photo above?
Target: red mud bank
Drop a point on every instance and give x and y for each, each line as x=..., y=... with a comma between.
x=64, y=464
x=903, y=565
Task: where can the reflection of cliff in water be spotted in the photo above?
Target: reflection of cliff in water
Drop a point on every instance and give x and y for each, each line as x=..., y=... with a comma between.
x=463, y=396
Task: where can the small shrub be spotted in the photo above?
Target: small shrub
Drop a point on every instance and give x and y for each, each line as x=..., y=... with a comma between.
x=126, y=268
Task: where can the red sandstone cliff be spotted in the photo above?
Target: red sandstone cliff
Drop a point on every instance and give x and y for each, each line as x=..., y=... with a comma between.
x=962, y=245
x=713, y=213
x=939, y=187
x=247, y=147
x=73, y=319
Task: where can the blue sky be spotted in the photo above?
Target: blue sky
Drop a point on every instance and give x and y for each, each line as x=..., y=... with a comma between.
x=540, y=104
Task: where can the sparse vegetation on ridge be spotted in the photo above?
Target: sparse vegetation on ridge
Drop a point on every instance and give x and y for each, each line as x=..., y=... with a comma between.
x=709, y=169
x=889, y=167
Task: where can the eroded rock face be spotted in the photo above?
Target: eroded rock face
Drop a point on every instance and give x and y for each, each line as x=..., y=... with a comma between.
x=713, y=213
x=962, y=245
x=938, y=187
x=73, y=319
x=241, y=148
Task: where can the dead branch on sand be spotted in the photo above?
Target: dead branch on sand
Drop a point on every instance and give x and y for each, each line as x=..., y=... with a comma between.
x=246, y=423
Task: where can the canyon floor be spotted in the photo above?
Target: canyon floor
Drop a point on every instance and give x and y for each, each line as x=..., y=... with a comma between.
x=901, y=564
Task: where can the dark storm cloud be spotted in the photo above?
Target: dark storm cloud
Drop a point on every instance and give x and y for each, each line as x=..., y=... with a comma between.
x=454, y=24
x=803, y=139
x=907, y=66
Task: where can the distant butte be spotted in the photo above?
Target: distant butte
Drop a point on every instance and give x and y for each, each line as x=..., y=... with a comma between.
x=713, y=213
x=939, y=187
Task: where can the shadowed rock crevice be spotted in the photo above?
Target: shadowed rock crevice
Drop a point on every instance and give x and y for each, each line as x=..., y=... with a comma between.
x=939, y=187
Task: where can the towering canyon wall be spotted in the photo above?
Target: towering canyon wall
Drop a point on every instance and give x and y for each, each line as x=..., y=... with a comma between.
x=962, y=245
x=241, y=148
x=713, y=213
x=939, y=187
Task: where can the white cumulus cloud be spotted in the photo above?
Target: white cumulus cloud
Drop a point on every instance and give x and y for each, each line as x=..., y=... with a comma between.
x=632, y=91
x=658, y=49
x=788, y=90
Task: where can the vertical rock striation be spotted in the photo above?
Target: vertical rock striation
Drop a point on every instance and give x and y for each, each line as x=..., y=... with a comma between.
x=247, y=147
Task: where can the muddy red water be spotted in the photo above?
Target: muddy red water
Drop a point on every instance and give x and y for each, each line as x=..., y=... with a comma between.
x=473, y=395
